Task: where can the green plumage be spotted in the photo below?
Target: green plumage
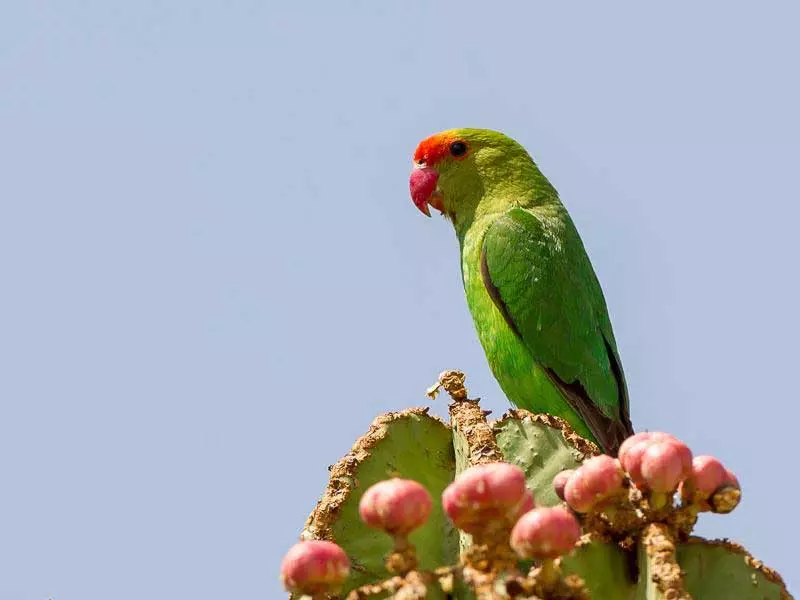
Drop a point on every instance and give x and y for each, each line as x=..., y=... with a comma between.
x=534, y=297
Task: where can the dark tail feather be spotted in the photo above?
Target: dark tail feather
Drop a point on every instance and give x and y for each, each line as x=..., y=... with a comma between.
x=609, y=433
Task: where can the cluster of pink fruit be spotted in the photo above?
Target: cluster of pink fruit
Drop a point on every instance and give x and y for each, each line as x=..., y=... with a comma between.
x=484, y=499
x=656, y=463
x=490, y=501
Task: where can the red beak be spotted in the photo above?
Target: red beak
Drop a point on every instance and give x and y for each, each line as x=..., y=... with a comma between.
x=423, y=189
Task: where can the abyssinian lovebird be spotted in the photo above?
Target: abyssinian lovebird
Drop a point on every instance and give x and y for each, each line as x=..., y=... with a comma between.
x=535, y=300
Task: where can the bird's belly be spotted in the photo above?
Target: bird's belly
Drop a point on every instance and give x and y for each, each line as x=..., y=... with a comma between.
x=522, y=380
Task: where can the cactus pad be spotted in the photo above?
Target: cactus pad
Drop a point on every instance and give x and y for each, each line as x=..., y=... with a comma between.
x=542, y=446
x=409, y=444
x=721, y=569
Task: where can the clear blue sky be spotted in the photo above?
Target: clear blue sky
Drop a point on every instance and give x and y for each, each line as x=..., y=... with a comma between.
x=210, y=262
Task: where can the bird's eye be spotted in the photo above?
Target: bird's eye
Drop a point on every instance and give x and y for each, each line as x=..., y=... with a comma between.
x=458, y=149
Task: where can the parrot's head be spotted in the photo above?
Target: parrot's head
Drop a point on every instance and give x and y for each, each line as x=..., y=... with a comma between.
x=455, y=170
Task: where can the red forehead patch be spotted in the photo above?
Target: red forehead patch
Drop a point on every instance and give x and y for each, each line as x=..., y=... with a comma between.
x=433, y=149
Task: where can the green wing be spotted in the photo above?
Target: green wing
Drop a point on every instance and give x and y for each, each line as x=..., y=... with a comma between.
x=536, y=270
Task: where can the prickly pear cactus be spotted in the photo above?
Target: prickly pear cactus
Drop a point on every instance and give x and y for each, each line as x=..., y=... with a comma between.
x=410, y=444
x=615, y=529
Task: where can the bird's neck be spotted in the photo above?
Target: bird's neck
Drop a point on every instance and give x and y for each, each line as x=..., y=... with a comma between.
x=533, y=193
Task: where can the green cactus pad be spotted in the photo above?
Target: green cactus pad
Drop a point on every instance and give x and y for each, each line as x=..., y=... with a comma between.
x=603, y=568
x=721, y=569
x=542, y=446
x=409, y=444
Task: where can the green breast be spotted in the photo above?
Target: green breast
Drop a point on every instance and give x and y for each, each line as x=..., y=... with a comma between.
x=523, y=381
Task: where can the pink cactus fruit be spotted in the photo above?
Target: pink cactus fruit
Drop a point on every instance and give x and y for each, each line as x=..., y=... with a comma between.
x=708, y=475
x=545, y=533
x=487, y=495
x=314, y=567
x=631, y=452
x=560, y=482
x=527, y=505
x=711, y=485
x=732, y=479
x=664, y=464
x=595, y=481
x=397, y=506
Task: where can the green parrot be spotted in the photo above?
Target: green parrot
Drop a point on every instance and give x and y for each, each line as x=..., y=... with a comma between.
x=536, y=302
